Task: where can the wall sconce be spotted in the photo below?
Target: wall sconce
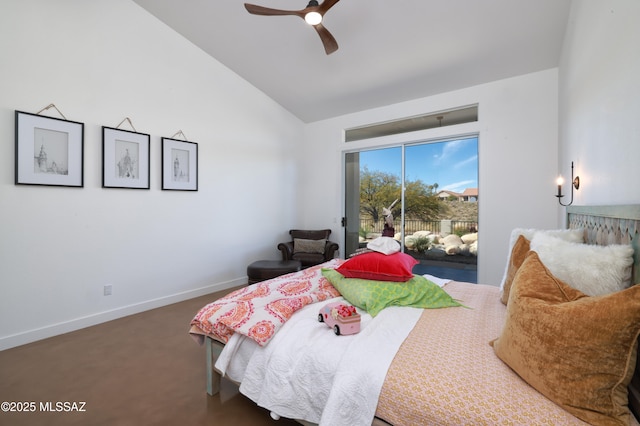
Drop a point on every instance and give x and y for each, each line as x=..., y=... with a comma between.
x=575, y=183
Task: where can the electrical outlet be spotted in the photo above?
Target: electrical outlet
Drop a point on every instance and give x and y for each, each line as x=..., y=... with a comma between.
x=107, y=290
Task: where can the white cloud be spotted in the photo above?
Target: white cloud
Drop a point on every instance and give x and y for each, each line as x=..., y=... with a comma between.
x=457, y=186
x=465, y=163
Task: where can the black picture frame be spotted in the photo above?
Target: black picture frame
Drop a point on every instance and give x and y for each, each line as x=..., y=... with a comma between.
x=179, y=165
x=49, y=151
x=126, y=157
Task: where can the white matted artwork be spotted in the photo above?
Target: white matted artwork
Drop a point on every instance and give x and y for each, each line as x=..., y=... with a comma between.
x=49, y=151
x=125, y=159
x=179, y=165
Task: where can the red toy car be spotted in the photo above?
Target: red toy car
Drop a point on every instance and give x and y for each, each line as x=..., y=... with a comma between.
x=341, y=317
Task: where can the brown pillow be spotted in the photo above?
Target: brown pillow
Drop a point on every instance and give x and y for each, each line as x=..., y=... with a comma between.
x=578, y=351
x=518, y=253
x=301, y=245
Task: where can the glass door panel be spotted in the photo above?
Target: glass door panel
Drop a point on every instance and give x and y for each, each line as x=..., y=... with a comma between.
x=441, y=208
x=373, y=183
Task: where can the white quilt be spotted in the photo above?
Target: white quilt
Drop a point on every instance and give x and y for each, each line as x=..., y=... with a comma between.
x=308, y=373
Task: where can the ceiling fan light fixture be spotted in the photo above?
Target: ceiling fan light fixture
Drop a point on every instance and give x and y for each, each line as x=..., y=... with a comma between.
x=313, y=14
x=313, y=18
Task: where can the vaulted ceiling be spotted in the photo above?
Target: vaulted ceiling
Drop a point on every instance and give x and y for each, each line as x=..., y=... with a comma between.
x=389, y=50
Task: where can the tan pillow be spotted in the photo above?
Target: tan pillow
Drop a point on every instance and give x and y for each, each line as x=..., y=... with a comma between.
x=518, y=253
x=300, y=245
x=578, y=351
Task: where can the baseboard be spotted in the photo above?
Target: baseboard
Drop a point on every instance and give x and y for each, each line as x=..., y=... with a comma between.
x=19, y=339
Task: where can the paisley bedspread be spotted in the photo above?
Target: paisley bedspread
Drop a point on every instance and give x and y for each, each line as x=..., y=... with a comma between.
x=259, y=310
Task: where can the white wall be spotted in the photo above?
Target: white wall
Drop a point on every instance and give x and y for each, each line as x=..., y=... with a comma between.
x=600, y=101
x=518, y=134
x=100, y=61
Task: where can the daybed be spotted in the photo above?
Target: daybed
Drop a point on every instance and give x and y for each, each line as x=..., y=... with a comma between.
x=534, y=350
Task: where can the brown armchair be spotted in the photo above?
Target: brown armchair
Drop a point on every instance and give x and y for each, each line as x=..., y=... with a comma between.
x=312, y=248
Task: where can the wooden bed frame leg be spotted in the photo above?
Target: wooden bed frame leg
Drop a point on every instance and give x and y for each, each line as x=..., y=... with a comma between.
x=213, y=376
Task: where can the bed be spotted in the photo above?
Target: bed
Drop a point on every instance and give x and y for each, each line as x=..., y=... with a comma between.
x=490, y=357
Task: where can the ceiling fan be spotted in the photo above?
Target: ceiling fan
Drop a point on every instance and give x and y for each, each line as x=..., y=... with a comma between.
x=312, y=14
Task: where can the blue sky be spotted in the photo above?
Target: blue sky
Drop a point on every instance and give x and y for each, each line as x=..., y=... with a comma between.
x=452, y=164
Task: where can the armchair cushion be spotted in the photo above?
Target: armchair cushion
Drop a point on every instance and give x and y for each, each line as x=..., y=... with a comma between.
x=301, y=245
x=309, y=259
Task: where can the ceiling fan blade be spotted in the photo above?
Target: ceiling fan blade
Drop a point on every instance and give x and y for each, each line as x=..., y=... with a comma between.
x=329, y=42
x=267, y=11
x=326, y=5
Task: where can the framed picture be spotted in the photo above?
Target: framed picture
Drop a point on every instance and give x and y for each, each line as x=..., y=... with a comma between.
x=49, y=151
x=125, y=159
x=179, y=165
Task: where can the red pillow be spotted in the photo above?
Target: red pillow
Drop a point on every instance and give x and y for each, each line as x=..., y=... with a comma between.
x=379, y=267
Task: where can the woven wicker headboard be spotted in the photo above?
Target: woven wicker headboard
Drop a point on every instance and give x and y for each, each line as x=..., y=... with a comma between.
x=604, y=225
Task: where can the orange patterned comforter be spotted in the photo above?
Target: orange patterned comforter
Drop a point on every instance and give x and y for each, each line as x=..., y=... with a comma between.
x=259, y=310
x=446, y=373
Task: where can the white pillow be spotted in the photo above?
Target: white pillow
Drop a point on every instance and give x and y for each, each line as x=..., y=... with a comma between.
x=594, y=270
x=384, y=245
x=572, y=235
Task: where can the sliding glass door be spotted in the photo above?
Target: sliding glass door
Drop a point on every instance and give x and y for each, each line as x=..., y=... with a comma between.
x=425, y=195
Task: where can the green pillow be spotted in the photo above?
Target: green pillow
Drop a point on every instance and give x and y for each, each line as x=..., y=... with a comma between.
x=374, y=296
